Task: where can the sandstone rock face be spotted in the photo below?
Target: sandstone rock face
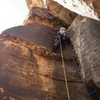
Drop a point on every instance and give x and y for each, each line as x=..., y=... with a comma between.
x=61, y=12
x=95, y=4
x=55, y=9
x=86, y=39
x=84, y=35
x=29, y=70
x=79, y=7
x=35, y=3
x=44, y=17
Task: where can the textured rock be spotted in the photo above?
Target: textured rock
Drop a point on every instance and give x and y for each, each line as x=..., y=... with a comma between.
x=55, y=9
x=86, y=39
x=35, y=3
x=79, y=7
x=44, y=17
x=95, y=4
x=30, y=70
x=59, y=10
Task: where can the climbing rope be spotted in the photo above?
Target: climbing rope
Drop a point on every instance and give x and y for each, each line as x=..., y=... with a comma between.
x=77, y=68
x=64, y=70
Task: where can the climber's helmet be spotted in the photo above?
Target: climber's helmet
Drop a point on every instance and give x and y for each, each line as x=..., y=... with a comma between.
x=62, y=30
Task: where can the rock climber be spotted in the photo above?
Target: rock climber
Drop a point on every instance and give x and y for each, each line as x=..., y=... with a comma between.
x=60, y=36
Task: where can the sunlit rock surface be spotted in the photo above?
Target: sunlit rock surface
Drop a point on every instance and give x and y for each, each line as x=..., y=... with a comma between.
x=56, y=10
x=95, y=4
x=35, y=3
x=87, y=8
x=59, y=11
x=80, y=7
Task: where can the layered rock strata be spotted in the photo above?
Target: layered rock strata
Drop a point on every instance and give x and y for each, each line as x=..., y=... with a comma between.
x=29, y=70
x=44, y=17
x=55, y=9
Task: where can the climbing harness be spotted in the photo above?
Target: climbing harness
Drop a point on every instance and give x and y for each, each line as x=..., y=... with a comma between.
x=65, y=75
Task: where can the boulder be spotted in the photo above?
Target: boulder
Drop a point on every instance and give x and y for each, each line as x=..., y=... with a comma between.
x=95, y=4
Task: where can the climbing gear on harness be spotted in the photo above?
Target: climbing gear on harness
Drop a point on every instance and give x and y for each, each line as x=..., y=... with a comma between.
x=65, y=75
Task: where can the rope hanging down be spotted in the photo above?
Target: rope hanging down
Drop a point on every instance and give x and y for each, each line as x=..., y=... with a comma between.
x=64, y=70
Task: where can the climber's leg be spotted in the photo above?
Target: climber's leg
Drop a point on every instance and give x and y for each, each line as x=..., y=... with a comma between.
x=56, y=43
